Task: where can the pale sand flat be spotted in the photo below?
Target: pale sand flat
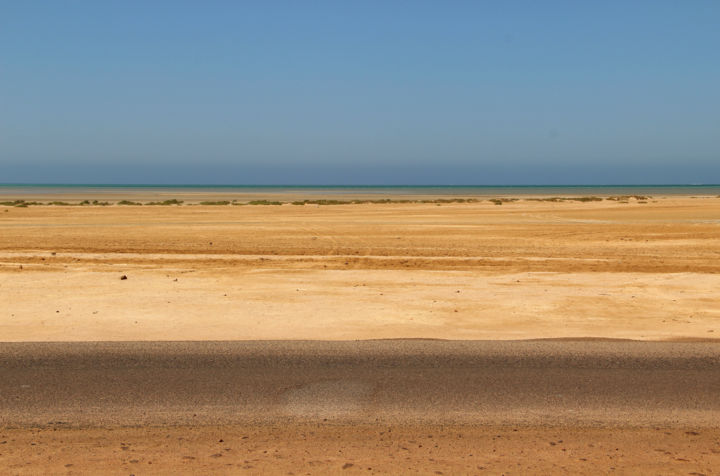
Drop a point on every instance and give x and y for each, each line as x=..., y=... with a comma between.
x=463, y=271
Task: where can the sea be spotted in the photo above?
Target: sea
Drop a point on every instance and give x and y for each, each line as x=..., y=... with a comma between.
x=18, y=189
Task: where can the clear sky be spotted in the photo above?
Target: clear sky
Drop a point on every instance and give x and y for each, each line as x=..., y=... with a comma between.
x=360, y=92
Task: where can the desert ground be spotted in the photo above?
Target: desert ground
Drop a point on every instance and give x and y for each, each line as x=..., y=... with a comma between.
x=521, y=270
x=595, y=281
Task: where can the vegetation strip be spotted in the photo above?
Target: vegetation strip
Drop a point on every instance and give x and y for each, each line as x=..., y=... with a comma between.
x=438, y=201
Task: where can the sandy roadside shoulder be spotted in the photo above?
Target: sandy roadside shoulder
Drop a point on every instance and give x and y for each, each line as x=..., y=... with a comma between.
x=337, y=449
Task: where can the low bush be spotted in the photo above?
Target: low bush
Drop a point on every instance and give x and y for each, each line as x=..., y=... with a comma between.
x=166, y=202
x=264, y=202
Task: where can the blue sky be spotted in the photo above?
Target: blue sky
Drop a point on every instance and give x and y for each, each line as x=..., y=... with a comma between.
x=386, y=92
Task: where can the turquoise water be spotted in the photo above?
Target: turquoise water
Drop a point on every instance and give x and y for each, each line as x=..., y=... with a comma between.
x=473, y=190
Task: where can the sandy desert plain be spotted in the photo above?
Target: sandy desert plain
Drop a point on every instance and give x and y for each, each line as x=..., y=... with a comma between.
x=441, y=338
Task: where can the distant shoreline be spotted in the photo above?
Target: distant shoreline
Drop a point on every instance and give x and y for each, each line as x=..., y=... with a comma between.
x=355, y=187
x=331, y=193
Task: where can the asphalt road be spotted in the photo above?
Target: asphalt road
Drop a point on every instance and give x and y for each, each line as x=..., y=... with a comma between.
x=394, y=381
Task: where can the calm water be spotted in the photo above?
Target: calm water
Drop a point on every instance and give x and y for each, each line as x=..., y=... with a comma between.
x=20, y=189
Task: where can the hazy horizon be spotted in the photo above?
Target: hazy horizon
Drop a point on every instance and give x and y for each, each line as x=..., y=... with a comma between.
x=372, y=93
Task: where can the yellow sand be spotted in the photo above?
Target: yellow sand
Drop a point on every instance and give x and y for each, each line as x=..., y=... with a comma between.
x=460, y=271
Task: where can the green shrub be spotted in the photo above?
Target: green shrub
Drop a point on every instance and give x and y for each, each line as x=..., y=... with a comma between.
x=166, y=202
x=500, y=201
x=586, y=199
x=625, y=198
x=19, y=203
